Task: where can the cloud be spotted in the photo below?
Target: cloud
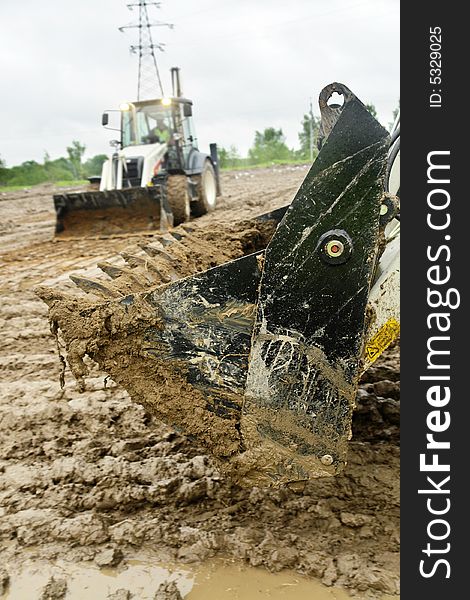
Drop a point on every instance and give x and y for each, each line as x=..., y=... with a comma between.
x=246, y=65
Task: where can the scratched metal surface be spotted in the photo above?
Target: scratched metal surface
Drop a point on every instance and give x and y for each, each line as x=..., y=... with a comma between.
x=304, y=363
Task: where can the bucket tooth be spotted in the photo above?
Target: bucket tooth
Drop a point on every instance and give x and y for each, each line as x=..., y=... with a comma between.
x=92, y=286
x=51, y=295
x=163, y=277
x=158, y=252
x=167, y=256
x=150, y=266
x=134, y=261
x=113, y=271
x=149, y=249
x=164, y=269
x=165, y=240
x=129, y=281
x=145, y=264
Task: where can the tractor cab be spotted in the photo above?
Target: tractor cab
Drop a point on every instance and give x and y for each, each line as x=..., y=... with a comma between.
x=158, y=121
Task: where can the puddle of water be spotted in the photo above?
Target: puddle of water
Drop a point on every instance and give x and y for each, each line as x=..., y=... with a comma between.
x=233, y=582
x=89, y=582
x=215, y=580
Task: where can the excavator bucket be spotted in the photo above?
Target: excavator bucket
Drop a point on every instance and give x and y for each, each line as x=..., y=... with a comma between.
x=258, y=359
x=112, y=212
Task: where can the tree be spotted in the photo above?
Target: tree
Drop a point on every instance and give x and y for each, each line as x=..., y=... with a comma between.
x=94, y=165
x=59, y=169
x=229, y=157
x=268, y=146
x=47, y=162
x=4, y=172
x=75, y=153
x=308, y=135
x=29, y=172
x=373, y=111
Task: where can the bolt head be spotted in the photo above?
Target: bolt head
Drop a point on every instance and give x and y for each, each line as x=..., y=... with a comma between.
x=383, y=209
x=334, y=248
x=326, y=460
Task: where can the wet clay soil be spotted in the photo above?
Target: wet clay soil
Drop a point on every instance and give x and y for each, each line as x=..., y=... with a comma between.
x=90, y=479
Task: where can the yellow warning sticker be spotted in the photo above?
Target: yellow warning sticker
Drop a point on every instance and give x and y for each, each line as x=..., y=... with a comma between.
x=382, y=339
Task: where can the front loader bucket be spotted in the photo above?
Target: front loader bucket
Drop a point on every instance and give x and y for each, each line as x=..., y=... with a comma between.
x=258, y=359
x=112, y=212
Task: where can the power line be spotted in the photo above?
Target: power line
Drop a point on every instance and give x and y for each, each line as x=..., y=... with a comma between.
x=149, y=83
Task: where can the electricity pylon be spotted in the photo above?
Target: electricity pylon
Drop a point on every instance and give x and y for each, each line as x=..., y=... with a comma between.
x=149, y=83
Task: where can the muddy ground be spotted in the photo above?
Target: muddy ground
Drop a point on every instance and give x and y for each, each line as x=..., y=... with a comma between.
x=91, y=475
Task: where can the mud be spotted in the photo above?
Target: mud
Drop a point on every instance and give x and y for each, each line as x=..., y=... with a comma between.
x=92, y=472
x=114, y=339
x=114, y=333
x=212, y=580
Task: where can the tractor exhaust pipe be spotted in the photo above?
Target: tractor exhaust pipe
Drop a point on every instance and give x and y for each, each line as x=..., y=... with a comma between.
x=176, y=82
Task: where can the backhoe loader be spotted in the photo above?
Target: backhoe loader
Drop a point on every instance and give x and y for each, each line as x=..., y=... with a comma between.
x=155, y=179
x=258, y=359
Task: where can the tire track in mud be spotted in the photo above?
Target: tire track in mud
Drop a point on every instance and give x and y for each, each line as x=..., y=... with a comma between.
x=83, y=472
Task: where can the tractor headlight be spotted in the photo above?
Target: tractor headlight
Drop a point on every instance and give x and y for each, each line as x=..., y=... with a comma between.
x=125, y=106
x=166, y=101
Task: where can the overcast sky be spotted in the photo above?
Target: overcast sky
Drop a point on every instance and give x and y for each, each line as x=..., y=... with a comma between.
x=246, y=64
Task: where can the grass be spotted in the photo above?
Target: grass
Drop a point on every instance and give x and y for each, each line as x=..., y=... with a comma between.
x=15, y=188
x=71, y=183
x=12, y=188
x=271, y=163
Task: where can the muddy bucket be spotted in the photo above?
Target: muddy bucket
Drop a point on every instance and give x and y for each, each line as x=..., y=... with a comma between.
x=112, y=212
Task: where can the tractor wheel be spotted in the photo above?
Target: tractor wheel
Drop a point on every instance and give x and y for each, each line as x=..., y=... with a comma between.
x=206, y=191
x=178, y=198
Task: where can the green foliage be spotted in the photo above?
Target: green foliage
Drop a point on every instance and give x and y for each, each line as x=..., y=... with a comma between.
x=76, y=152
x=269, y=145
x=308, y=135
x=371, y=108
x=32, y=173
x=3, y=170
x=229, y=157
x=61, y=169
x=94, y=165
x=28, y=173
x=58, y=169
